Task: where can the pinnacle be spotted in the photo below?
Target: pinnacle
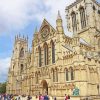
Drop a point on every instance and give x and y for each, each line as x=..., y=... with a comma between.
x=59, y=16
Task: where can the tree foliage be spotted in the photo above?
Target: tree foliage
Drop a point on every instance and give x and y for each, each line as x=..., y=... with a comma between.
x=2, y=88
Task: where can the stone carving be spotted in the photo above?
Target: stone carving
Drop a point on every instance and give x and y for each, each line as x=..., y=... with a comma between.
x=76, y=91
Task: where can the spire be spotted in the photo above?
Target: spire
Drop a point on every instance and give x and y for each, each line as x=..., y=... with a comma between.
x=59, y=23
x=59, y=16
x=35, y=32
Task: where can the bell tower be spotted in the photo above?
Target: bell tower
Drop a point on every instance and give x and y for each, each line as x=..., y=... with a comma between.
x=83, y=19
x=19, y=54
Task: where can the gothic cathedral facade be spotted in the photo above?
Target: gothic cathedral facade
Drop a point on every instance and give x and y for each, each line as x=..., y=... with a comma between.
x=59, y=64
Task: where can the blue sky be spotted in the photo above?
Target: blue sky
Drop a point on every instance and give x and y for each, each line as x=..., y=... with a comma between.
x=23, y=16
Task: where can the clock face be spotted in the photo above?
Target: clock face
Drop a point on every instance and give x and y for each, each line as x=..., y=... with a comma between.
x=45, y=32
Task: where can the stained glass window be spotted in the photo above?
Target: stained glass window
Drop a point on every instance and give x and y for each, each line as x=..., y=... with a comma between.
x=39, y=49
x=45, y=54
x=53, y=52
x=22, y=52
x=83, y=19
x=74, y=22
x=72, y=73
x=66, y=74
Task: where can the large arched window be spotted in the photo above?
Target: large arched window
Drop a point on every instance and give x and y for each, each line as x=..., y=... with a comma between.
x=74, y=21
x=66, y=73
x=72, y=73
x=21, y=52
x=53, y=51
x=45, y=54
x=39, y=49
x=82, y=17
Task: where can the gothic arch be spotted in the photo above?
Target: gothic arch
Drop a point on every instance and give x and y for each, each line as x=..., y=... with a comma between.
x=66, y=74
x=53, y=51
x=82, y=16
x=45, y=46
x=74, y=21
x=39, y=54
x=44, y=86
x=71, y=70
x=21, y=52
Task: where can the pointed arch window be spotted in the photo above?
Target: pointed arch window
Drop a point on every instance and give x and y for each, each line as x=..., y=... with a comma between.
x=37, y=80
x=82, y=17
x=22, y=52
x=66, y=73
x=39, y=49
x=53, y=52
x=45, y=54
x=72, y=73
x=74, y=21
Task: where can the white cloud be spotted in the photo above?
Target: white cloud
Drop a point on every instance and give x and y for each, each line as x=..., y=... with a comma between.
x=4, y=66
x=17, y=14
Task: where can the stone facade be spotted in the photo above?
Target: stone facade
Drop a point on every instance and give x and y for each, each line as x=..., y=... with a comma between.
x=59, y=64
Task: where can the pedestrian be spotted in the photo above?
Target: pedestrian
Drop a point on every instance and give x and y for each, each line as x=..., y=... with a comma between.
x=55, y=98
x=46, y=97
x=66, y=97
x=40, y=96
x=36, y=98
x=29, y=97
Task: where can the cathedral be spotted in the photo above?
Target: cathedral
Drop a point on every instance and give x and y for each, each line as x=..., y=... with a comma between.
x=58, y=64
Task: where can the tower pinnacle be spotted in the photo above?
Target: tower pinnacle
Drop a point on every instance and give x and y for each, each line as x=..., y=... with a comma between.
x=59, y=16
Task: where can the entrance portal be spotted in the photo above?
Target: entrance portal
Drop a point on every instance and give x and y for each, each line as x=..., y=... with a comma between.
x=44, y=86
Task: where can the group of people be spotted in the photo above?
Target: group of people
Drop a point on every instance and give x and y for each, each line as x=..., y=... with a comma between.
x=38, y=97
x=43, y=97
x=9, y=97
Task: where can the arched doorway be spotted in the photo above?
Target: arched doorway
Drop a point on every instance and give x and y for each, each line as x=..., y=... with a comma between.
x=44, y=86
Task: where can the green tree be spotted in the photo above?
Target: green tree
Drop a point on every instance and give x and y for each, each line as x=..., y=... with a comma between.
x=3, y=87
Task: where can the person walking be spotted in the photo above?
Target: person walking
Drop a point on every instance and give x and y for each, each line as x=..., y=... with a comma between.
x=42, y=97
x=66, y=97
x=46, y=97
x=55, y=98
